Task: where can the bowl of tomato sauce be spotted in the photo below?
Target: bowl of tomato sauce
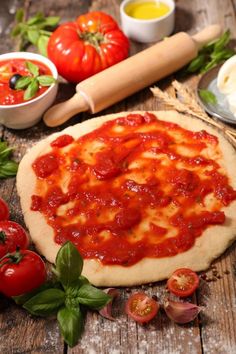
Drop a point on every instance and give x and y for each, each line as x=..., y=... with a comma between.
x=28, y=86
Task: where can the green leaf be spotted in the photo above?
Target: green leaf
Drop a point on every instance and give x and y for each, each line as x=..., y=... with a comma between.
x=23, y=82
x=69, y=264
x=3, y=145
x=21, y=299
x=46, y=80
x=92, y=297
x=8, y=169
x=46, y=302
x=33, y=69
x=71, y=324
x=208, y=96
x=16, y=30
x=4, y=154
x=52, y=21
x=222, y=41
x=43, y=44
x=196, y=63
x=19, y=16
x=38, y=18
x=33, y=36
x=31, y=90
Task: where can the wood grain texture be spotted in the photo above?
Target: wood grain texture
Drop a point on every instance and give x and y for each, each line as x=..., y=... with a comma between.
x=216, y=332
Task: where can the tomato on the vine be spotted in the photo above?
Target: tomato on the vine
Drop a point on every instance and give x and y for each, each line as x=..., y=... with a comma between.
x=183, y=282
x=4, y=210
x=86, y=46
x=21, y=272
x=141, y=308
x=12, y=236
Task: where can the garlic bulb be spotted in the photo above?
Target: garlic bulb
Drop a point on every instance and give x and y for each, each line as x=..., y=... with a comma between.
x=181, y=312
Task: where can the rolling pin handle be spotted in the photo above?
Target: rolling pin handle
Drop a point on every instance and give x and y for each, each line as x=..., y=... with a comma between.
x=61, y=112
x=208, y=34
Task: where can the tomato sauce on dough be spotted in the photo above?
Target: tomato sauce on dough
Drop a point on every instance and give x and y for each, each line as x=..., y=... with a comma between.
x=136, y=187
x=10, y=67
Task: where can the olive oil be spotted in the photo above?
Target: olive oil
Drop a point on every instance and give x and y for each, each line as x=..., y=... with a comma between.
x=147, y=10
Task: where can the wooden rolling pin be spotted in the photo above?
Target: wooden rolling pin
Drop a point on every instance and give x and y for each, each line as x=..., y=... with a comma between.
x=131, y=75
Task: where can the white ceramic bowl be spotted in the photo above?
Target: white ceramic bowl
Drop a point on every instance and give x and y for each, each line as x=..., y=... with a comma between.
x=27, y=114
x=147, y=31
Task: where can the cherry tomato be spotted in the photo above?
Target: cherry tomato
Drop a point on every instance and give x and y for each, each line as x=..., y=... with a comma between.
x=141, y=308
x=4, y=210
x=21, y=272
x=12, y=236
x=90, y=44
x=183, y=282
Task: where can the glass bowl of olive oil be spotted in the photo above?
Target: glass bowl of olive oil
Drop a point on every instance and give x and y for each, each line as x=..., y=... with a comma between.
x=147, y=20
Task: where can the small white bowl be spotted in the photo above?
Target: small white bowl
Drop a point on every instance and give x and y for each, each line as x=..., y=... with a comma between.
x=146, y=31
x=27, y=114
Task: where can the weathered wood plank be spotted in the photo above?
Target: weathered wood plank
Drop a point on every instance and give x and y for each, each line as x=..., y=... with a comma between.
x=20, y=333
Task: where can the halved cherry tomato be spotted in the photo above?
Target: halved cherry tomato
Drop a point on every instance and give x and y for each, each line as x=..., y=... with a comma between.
x=21, y=272
x=6, y=72
x=183, y=282
x=4, y=210
x=12, y=236
x=141, y=308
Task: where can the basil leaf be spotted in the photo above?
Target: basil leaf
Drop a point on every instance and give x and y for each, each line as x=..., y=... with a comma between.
x=222, y=41
x=52, y=21
x=43, y=44
x=3, y=145
x=16, y=30
x=4, y=154
x=38, y=18
x=32, y=68
x=46, y=302
x=31, y=90
x=70, y=324
x=33, y=36
x=19, y=15
x=21, y=299
x=92, y=297
x=23, y=82
x=46, y=80
x=196, y=63
x=69, y=264
x=208, y=96
x=8, y=169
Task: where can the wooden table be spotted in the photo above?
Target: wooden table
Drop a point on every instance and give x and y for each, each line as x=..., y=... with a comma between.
x=216, y=330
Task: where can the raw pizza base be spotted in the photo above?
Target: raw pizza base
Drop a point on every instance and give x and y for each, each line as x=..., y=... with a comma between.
x=207, y=247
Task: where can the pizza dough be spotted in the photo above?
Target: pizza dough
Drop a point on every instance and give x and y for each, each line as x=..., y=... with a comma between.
x=207, y=247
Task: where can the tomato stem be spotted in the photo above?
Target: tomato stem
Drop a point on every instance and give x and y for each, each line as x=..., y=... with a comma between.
x=14, y=258
x=95, y=39
x=2, y=238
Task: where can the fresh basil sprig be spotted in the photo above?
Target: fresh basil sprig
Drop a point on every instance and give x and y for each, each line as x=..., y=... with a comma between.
x=36, y=30
x=211, y=54
x=208, y=96
x=31, y=83
x=68, y=297
x=8, y=167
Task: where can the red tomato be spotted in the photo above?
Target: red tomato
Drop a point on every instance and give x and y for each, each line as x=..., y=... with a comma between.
x=183, y=282
x=25, y=272
x=141, y=308
x=90, y=44
x=12, y=235
x=4, y=210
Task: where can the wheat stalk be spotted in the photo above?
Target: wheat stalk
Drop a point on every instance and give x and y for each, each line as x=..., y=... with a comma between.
x=191, y=108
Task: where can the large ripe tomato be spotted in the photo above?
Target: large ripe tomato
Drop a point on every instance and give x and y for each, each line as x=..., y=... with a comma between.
x=86, y=46
x=21, y=272
x=141, y=308
x=4, y=210
x=12, y=236
x=183, y=282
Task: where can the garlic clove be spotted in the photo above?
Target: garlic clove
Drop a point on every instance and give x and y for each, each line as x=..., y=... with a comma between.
x=181, y=312
x=106, y=311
